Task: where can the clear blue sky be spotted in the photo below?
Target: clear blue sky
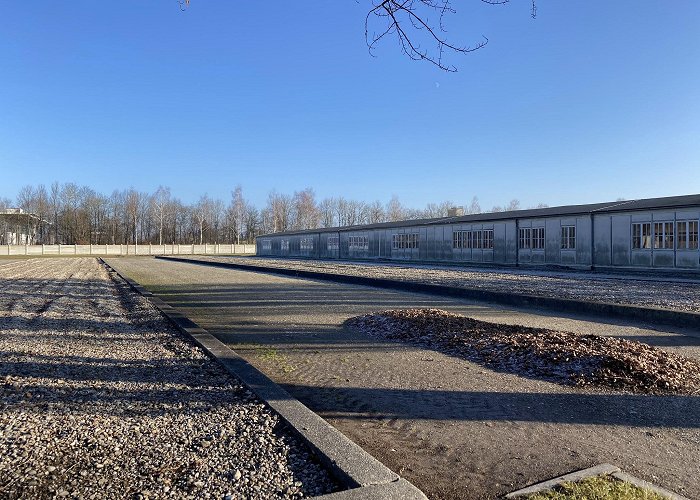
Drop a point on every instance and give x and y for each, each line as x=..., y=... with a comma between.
x=592, y=101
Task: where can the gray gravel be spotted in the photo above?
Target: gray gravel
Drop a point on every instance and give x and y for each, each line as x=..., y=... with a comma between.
x=655, y=291
x=100, y=397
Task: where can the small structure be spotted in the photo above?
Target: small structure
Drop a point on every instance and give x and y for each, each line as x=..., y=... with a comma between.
x=18, y=227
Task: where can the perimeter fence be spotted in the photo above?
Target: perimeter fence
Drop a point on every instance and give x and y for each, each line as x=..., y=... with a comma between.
x=206, y=249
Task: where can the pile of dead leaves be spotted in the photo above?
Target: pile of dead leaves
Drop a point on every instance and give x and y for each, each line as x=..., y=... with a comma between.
x=583, y=360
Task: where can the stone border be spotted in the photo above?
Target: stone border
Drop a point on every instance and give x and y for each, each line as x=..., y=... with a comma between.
x=353, y=467
x=598, y=470
x=655, y=315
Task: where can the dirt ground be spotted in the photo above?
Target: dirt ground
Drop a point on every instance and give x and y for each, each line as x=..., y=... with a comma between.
x=455, y=429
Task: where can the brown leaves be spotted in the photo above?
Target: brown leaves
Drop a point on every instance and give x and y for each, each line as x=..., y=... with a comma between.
x=584, y=360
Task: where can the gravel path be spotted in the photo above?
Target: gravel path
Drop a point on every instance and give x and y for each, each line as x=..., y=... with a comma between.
x=669, y=293
x=101, y=398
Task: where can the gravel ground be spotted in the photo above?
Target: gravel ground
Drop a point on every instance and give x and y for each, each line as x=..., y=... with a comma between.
x=101, y=398
x=669, y=293
x=563, y=357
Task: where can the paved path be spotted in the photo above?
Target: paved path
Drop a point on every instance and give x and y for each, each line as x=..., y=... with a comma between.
x=451, y=427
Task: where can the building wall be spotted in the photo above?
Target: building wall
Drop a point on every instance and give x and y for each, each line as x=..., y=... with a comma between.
x=601, y=240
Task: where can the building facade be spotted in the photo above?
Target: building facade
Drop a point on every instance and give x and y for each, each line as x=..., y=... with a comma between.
x=657, y=233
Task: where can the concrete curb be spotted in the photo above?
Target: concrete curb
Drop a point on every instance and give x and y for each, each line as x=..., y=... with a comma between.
x=598, y=470
x=353, y=467
x=646, y=314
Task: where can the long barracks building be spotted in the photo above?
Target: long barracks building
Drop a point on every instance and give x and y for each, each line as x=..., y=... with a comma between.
x=650, y=233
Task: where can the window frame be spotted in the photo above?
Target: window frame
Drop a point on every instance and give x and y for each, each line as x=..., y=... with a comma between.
x=690, y=234
x=525, y=238
x=538, y=238
x=568, y=237
x=661, y=238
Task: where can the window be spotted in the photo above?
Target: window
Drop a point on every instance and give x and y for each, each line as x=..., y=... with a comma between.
x=333, y=242
x=479, y=238
x=687, y=235
x=306, y=244
x=488, y=238
x=524, y=237
x=538, y=238
x=358, y=242
x=641, y=235
x=568, y=237
x=266, y=244
x=458, y=239
x=663, y=235
x=284, y=244
x=404, y=240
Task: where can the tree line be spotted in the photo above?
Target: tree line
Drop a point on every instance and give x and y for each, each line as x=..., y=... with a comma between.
x=74, y=214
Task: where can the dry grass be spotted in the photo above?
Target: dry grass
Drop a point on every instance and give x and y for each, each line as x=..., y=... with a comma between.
x=597, y=488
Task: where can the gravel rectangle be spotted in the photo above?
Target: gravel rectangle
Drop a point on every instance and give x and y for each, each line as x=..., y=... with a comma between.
x=101, y=397
x=681, y=294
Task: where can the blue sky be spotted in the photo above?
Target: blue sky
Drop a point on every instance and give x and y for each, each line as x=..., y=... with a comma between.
x=591, y=101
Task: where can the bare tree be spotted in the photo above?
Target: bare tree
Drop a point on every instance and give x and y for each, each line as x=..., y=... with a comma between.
x=327, y=209
x=474, y=206
x=513, y=205
x=418, y=26
x=160, y=205
x=306, y=214
x=237, y=208
x=395, y=210
x=376, y=213
x=280, y=208
x=202, y=212
x=132, y=211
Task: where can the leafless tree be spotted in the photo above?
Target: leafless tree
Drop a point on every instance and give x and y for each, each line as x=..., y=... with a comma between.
x=395, y=210
x=327, y=209
x=306, y=214
x=202, y=213
x=513, y=205
x=418, y=26
x=280, y=209
x=474, y=207
x=160, y=206
x=376, y=212
x=237, y=211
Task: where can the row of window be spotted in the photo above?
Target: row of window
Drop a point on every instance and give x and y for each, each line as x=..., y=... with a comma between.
x=531, y=238
x=358, y=242
x=404, y=240
x=686, y=235
x=482, y=238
